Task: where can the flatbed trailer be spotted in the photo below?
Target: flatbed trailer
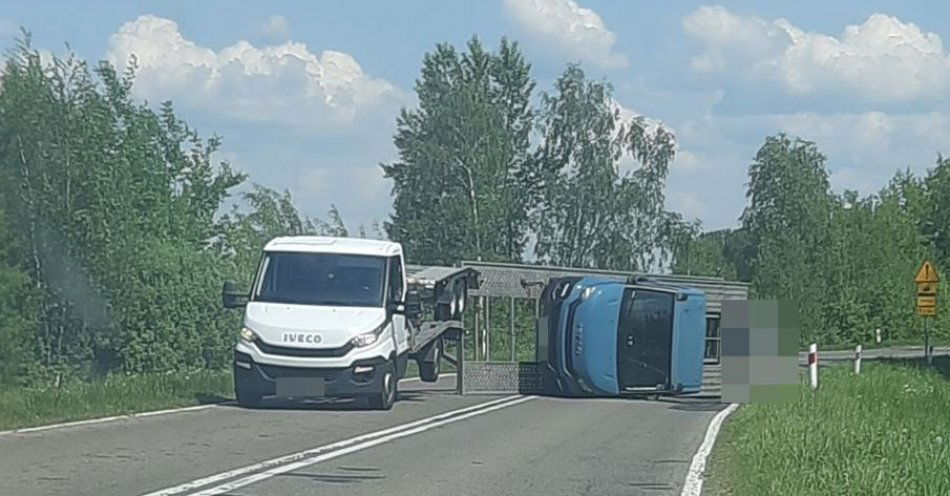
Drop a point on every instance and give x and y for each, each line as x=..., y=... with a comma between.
x=438, y=295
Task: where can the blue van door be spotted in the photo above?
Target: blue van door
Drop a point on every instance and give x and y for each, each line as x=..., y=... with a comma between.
x=645, y=339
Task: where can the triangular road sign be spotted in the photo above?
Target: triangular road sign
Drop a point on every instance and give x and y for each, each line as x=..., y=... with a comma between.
x=927, y=273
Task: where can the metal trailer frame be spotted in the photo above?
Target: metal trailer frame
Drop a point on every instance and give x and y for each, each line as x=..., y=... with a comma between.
x=434, y=287
x=524, y=281
x=485, y=281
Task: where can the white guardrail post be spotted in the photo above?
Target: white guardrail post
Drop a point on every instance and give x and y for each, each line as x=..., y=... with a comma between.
x=813, y=365
x=857, y=359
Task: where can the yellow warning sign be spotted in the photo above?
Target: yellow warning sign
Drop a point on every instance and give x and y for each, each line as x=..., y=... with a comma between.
x=927, y=273
x=926, y=301
x=927, y=280
x=927, y=289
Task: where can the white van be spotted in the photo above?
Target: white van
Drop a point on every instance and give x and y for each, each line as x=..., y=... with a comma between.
x=327, y=318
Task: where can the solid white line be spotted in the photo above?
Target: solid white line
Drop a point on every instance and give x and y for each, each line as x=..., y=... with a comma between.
x=267, y=474
x=101, y=420
x=197, y=483
x=694, y=478
x=27, y=430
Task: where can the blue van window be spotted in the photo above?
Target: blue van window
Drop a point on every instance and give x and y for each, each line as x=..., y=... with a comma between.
x=645, y=338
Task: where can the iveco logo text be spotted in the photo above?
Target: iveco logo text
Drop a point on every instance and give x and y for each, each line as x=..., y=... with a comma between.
x=300, y=337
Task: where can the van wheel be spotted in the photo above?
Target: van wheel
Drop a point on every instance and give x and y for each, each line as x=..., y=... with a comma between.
x=429, y=371
x=246, y=398
x=386, y=397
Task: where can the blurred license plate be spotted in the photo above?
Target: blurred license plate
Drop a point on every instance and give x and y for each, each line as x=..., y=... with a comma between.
x=300, y=386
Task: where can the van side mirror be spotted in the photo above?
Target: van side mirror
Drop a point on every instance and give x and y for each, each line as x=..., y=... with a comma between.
x=231, y=297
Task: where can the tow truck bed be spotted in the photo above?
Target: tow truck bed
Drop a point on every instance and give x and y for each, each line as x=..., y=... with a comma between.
x=431, y=282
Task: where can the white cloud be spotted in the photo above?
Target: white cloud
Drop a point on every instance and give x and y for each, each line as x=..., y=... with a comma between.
x=690, y=205
x=282, y=84
x=627, y=114
x=275, y=26
x=690, y=162
x=627, y=163
x=883, y=59
x=572, y=30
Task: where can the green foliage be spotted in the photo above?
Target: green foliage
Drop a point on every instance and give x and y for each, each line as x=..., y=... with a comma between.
x=883, y=432
x=848, y=261
x=244, y=234
x=459, y=184
x=725, y=253
x=110, y=255
x=17, y=307
x=788, y=221
x=589, y=213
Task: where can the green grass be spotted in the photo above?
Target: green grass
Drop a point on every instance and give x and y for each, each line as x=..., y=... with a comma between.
x=884, y=432
x=122, y=395
x=114, y=395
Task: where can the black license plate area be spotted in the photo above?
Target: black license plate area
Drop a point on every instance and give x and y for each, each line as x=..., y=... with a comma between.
x=300, y=386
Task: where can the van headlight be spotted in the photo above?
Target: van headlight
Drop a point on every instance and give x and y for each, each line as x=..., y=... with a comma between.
x=587, y=292
x=247, y=335
x=369, y=338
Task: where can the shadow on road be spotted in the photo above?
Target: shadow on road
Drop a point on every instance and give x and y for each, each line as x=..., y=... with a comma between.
x=691, y=403
x=698, y=405
x=271, y=403
x=303, y=404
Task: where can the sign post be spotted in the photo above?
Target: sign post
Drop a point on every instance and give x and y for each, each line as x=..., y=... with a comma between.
x=926, y=280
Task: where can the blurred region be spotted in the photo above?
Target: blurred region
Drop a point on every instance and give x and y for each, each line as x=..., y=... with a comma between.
x=760, y=351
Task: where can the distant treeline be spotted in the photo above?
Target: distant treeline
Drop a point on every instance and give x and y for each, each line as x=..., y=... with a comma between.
x=114, y=238
x=849, y=261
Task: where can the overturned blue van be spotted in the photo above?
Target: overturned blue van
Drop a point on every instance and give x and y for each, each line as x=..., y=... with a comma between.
x=602, y=337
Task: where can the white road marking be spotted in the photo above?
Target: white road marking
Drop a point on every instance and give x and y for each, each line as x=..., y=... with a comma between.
x=694, y=478
x=267, y=474
x=296, y=457
x=102, y=420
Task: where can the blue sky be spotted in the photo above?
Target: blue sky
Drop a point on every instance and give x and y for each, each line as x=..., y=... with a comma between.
x=305, y=94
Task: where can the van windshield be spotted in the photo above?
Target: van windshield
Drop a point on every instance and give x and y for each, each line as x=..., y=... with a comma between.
x=321, y=279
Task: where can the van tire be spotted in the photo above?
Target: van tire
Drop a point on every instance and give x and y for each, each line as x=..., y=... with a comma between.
x=429, y=371
x=385, y=398
x=247, y=399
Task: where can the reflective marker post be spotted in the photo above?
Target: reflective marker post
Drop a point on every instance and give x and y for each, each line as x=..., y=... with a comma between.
x=857, y=359
x=813, y=365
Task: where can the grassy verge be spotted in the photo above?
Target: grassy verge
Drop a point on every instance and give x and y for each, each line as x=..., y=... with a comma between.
x=115, y=395
x=122, y=395
x=884, y=432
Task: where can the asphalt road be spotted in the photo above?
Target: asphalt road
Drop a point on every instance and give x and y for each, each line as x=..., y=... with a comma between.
x=432, y=442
